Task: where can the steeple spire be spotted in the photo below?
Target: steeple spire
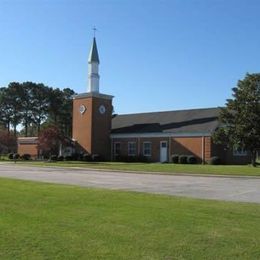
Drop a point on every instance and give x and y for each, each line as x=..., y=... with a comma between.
x=93, y=55
x=93, y=61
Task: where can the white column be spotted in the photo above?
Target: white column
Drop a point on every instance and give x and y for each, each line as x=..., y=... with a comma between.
x=93, y=77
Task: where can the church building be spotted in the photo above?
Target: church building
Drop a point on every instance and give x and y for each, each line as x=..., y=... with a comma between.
x=155, y=136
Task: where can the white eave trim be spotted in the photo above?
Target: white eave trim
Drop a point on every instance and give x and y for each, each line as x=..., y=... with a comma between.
x=92, y=94
x=151, y=135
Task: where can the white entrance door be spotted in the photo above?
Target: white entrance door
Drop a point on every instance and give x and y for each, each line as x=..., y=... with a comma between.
x=163, y=151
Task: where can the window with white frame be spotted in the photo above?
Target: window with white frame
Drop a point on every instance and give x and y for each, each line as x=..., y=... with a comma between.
x=131, y=148
x=117, y=148
x=147, y=148
x=238, y=151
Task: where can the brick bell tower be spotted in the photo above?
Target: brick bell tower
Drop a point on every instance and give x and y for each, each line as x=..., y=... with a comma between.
x=92, y=113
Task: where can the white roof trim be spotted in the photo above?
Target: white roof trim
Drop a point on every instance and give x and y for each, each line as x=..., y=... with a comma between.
x=151, y=135
x=92, y=94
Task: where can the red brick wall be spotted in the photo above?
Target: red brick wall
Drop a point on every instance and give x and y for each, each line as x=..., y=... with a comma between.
x=187, y=146
x=180, y=145
x=28, y=149
x=231, y=159
x=227, y=157
x=202, y=148
x=101, y=128
x=155, y=149
x=82, y=123
x=207, y=148
x=92, y=129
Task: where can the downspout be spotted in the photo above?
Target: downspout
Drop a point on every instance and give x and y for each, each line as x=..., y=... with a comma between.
x=169, y=150
x=111, y=149
x=203, y=150
x=138, y=146
x=60, y=149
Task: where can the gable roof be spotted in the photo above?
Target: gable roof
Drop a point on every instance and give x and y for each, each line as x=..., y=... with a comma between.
x=203, y=120
x=27, y=140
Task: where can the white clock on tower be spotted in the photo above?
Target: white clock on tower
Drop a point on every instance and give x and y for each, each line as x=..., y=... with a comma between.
x=102, y=109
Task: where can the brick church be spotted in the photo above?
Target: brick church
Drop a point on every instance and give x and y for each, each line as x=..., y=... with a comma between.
x=155, y=136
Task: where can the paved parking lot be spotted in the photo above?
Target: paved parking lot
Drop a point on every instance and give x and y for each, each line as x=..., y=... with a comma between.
x=219, y=188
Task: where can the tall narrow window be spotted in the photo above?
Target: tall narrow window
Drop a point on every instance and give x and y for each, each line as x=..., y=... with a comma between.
x=147, y=148
x=131, y=148
x=117, y=149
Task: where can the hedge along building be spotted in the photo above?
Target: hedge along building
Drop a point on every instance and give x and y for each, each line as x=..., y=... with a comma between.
x=155, y=136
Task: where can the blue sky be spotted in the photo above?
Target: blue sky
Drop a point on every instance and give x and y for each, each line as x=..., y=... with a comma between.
x=155, y=55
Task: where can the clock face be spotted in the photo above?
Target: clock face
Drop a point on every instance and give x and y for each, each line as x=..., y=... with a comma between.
x=82, y=109
x=102, y=109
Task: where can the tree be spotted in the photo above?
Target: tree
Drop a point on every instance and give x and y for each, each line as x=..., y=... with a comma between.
x=241, y=117
x=60, y=109
x=8, y=142
x=40, y=104
x=66, y=115
x=32, y=105
x=49, y=140
x=26, y=96
x=11, y=105
x=55, y=105
x=5, y=116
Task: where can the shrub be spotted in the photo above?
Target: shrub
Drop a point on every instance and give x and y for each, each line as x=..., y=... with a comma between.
x=183, y=159
x=175, y=158
x=192, y=159
x=60, y=158
x=26, y=157
x=214, y=160
x=16, y=156
x=144, y=159
x=132, y=159
x=86, y=157
x=10, y=156
x=68, y=158
x=121, y=158
x=53, y=157
x=77, y=157
x=96, y=158
x=45, y=156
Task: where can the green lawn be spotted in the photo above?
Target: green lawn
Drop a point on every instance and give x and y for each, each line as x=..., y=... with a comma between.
x=47, y=221
x=167, y=168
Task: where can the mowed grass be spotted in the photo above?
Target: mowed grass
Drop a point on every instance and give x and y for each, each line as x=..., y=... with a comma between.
x=47, y=221
x=166, y=168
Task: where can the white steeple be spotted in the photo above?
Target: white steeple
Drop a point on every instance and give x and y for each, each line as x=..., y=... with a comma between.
x=93, y=63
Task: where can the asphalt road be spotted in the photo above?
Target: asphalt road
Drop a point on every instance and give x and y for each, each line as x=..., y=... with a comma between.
x=219, y=188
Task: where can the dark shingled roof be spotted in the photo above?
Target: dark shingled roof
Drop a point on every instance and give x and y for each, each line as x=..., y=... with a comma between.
x=184, y=121
x=93, y=55
x=28, y=140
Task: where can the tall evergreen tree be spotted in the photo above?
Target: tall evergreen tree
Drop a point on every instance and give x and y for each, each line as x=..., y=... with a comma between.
x=27, y=105
x=241, y=117
x=40, y=104
x=66, y=115
x=5, y=116
x=12, y=105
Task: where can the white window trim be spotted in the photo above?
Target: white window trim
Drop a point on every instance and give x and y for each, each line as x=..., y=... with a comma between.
x=128, y=146
x=150, y=154
x=242, y=152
